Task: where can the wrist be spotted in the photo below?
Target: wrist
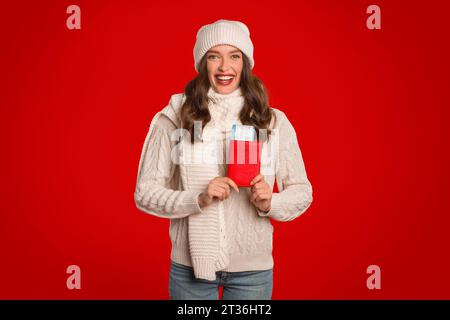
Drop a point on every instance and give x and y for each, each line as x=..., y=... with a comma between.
x=265, y=211
x=201, y=200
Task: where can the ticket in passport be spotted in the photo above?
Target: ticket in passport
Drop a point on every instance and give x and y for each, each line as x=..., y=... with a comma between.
x=243, y=132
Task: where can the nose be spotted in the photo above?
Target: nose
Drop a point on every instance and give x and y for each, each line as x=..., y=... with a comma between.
x=224, y=65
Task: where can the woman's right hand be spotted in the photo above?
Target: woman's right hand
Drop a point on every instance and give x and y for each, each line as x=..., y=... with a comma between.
x=218, y=188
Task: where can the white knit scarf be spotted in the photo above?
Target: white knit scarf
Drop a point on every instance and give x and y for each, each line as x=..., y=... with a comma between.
x=208, y=256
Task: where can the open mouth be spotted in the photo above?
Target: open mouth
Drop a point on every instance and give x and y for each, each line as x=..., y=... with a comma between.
x=224, y=79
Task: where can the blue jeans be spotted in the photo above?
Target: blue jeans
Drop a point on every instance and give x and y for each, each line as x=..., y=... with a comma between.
x=246, y=285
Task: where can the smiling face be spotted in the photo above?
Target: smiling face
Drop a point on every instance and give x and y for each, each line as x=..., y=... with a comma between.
x=224, y=64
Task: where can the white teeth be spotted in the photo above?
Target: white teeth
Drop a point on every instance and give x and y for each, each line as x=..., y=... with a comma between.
x=225, y=78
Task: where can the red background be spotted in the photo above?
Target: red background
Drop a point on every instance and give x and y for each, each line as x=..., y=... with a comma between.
x=371, y=109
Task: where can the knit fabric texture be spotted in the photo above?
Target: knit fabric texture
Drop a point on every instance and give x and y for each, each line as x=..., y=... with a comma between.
x=230, y=235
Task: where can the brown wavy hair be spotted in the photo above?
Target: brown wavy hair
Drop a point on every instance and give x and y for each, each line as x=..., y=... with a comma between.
x=256, y=99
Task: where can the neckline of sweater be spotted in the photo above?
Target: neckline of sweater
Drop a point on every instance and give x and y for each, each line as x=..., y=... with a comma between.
x=217, y=97
x=225, y=106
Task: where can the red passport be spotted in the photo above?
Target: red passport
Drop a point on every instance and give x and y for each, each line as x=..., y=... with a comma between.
x=244, y=161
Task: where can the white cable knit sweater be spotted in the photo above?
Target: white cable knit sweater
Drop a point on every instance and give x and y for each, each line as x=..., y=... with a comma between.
x=242, y=240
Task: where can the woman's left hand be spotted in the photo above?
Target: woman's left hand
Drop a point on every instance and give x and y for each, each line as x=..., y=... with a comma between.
x=261, y=196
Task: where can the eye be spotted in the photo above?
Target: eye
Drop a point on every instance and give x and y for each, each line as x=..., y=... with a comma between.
x=236, y=56
x=211, y=56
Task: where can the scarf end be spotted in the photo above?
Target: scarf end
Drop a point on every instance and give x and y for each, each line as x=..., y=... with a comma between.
x=206, y=267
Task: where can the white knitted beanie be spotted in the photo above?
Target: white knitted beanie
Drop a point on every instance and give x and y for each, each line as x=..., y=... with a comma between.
x=229, y=32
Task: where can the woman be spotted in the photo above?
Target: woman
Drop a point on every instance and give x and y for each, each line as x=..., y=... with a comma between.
x=221, y=233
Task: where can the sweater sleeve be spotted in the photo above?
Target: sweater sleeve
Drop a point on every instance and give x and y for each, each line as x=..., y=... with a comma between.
x=295, y=190
x=156, y=169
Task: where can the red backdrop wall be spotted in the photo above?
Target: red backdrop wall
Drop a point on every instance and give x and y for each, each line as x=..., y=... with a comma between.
x=371, y=110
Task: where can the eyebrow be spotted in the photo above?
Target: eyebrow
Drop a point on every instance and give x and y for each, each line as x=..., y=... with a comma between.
x=214, y=51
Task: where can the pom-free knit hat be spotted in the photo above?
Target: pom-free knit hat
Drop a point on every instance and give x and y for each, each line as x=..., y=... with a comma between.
x=222, y=31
